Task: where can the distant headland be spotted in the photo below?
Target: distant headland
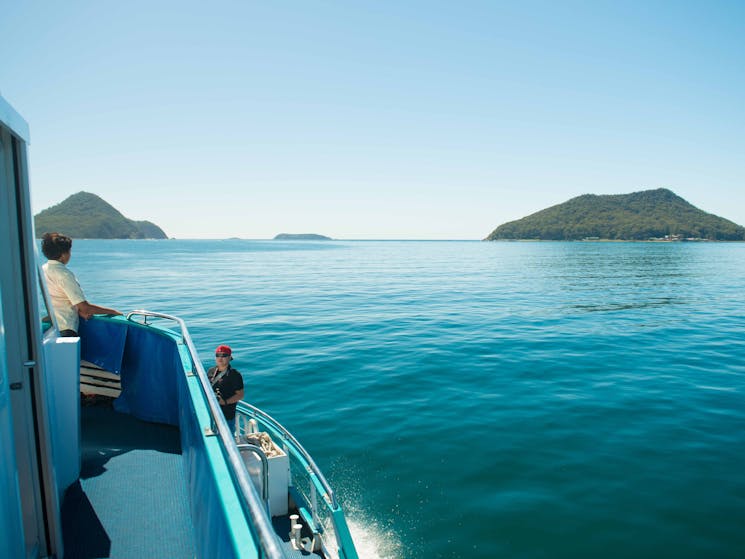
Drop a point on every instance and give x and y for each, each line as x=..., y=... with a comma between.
x=301, y=237
x=87, y=216
x=649, y=215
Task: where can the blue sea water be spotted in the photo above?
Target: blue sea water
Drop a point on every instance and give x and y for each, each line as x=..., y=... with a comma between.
x=474, y=400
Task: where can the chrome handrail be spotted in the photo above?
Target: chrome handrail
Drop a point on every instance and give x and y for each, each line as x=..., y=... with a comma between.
x=266, y=418
x=250, y=500
x=313, y=475
x=264, y=467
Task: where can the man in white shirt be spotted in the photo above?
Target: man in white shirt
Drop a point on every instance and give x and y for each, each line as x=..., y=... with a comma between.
x=68, y=299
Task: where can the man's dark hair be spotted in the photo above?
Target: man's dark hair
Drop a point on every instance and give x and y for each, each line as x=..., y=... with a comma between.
x=54, y=245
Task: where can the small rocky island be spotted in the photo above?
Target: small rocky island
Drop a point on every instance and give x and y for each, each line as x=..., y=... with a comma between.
x=301, y=237
x=649, y=215
x=87, y=216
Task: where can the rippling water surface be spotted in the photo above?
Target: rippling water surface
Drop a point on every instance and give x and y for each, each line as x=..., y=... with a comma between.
x=472, y=399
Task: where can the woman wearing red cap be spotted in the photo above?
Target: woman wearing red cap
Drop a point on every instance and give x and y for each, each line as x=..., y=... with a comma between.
x=227, y=383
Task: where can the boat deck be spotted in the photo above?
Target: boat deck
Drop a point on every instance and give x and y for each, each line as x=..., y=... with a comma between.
x=281, y=525
x=131, y=500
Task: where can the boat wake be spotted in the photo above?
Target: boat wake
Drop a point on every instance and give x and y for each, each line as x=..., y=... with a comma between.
x=372, y=540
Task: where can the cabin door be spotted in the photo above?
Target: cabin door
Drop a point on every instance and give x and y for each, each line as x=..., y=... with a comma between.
x=29, y=504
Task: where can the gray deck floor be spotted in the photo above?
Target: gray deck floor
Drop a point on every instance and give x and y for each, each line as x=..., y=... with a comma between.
x=131, y=500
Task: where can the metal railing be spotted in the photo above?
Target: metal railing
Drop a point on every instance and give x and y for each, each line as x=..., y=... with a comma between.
x=316, y=480
x=250, y=500
x=259, y=453
x=268, y=420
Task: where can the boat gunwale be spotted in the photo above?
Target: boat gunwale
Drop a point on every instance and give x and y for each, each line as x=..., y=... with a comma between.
x=246, y=492
x=342, y=534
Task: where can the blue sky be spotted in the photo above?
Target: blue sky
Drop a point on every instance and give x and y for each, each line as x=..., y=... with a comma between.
x=424, y=120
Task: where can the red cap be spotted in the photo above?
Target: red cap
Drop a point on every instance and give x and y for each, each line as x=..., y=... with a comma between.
x=224, y=349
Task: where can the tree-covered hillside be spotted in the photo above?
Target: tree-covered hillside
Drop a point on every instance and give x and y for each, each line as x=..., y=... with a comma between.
x=86, y=216
x=301, y=237
x=640, y=216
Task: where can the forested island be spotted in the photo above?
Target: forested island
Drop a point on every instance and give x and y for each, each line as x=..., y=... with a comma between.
x=640, y=216
x=87, y=216
x=301, y=237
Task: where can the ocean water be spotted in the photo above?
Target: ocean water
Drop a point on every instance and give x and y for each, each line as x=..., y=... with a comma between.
x=479, y=400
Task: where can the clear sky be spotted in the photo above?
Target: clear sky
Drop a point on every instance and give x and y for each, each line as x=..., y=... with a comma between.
x=424, y=120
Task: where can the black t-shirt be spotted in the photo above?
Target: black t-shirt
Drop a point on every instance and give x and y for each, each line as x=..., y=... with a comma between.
x=230, y=383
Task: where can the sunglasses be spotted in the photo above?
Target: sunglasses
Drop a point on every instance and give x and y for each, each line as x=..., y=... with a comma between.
x=222, y=355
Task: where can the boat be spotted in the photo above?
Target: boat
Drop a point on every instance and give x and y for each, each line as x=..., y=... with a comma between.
x=153, y=469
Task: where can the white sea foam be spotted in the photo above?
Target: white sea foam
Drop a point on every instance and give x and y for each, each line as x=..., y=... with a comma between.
x=372, y=540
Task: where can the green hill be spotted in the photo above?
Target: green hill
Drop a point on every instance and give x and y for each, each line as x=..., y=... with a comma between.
x=639, y=216
x=301, y=237
x=86, y=216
